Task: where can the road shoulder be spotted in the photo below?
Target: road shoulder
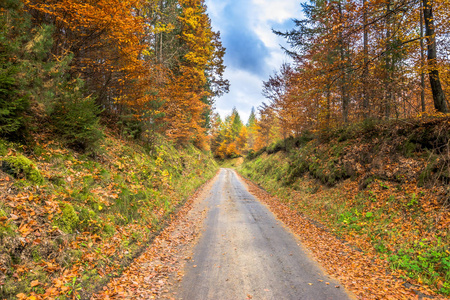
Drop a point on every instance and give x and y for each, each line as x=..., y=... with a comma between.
x=154, y=274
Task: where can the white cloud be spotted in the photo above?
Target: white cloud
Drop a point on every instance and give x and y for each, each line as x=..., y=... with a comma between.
x=279, y=11
x=272, y=12
x=260, y=16
x=244, y=94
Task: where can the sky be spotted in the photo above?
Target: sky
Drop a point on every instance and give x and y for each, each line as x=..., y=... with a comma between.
x=253, y=51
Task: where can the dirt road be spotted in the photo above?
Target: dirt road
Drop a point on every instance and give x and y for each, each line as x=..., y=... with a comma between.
x=246, y=253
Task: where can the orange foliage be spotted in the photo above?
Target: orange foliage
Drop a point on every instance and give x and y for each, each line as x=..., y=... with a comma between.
x=104, y=39
x=118, y=49
x=187, y=98
x=352, y=61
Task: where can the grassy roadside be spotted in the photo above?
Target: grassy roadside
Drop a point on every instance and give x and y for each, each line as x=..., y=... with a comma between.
x=379, y=190
x=70, y=221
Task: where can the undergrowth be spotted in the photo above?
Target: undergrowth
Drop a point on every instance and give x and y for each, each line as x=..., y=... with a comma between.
x=69, y=221
x=382, y=188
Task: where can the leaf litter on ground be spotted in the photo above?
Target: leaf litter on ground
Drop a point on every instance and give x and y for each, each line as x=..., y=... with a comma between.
x=363, y=274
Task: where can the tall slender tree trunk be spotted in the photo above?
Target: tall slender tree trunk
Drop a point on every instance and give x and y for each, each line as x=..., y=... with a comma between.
x=161, y=59
x=388, y=66
x=159, y=50
x=366, y=62
x=328, y=117
x=344, y=93
x=440, y=102
x=422, y=64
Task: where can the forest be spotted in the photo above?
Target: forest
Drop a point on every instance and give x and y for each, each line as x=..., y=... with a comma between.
x=108, y=132
x=156, y=67
x=148, y=67
x=105, y=110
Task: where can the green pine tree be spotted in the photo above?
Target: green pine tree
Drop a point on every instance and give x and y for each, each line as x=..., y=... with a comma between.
x=13, y=102
x=252, y=118
x=236, y=125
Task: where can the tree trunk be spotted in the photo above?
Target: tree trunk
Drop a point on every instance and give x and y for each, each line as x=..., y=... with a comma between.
x=366, y=62
x=388, y=67
x=440, y=102
x=328, y=105
x=345, y=100
x=422, y=65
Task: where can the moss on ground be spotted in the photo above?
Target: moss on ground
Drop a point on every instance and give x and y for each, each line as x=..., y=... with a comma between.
x=21, y=167
x=68, y=221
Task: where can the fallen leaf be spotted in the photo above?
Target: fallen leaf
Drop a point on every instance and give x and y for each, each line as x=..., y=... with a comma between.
x=35, y=283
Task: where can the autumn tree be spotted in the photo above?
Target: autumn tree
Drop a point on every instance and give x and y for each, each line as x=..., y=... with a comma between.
x=187, y=86
x=35, y=85
x=251, y=129
x=14, y=102
x=104, y=39
x=440, y=102
x=230, y=137
x=152, y=65
x=354, y=60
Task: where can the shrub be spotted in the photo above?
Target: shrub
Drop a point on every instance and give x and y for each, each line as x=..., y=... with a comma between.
x=12, y=105
x=89, y=221
x=130, y=126
x=3, y=148
x=76, y=118
x=251, y=154
x=276, y=147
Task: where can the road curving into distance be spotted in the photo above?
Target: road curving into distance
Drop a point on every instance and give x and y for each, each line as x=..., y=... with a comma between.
x=246, y=253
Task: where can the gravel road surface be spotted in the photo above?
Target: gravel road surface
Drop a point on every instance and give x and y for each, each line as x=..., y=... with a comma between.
x=246, y=253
